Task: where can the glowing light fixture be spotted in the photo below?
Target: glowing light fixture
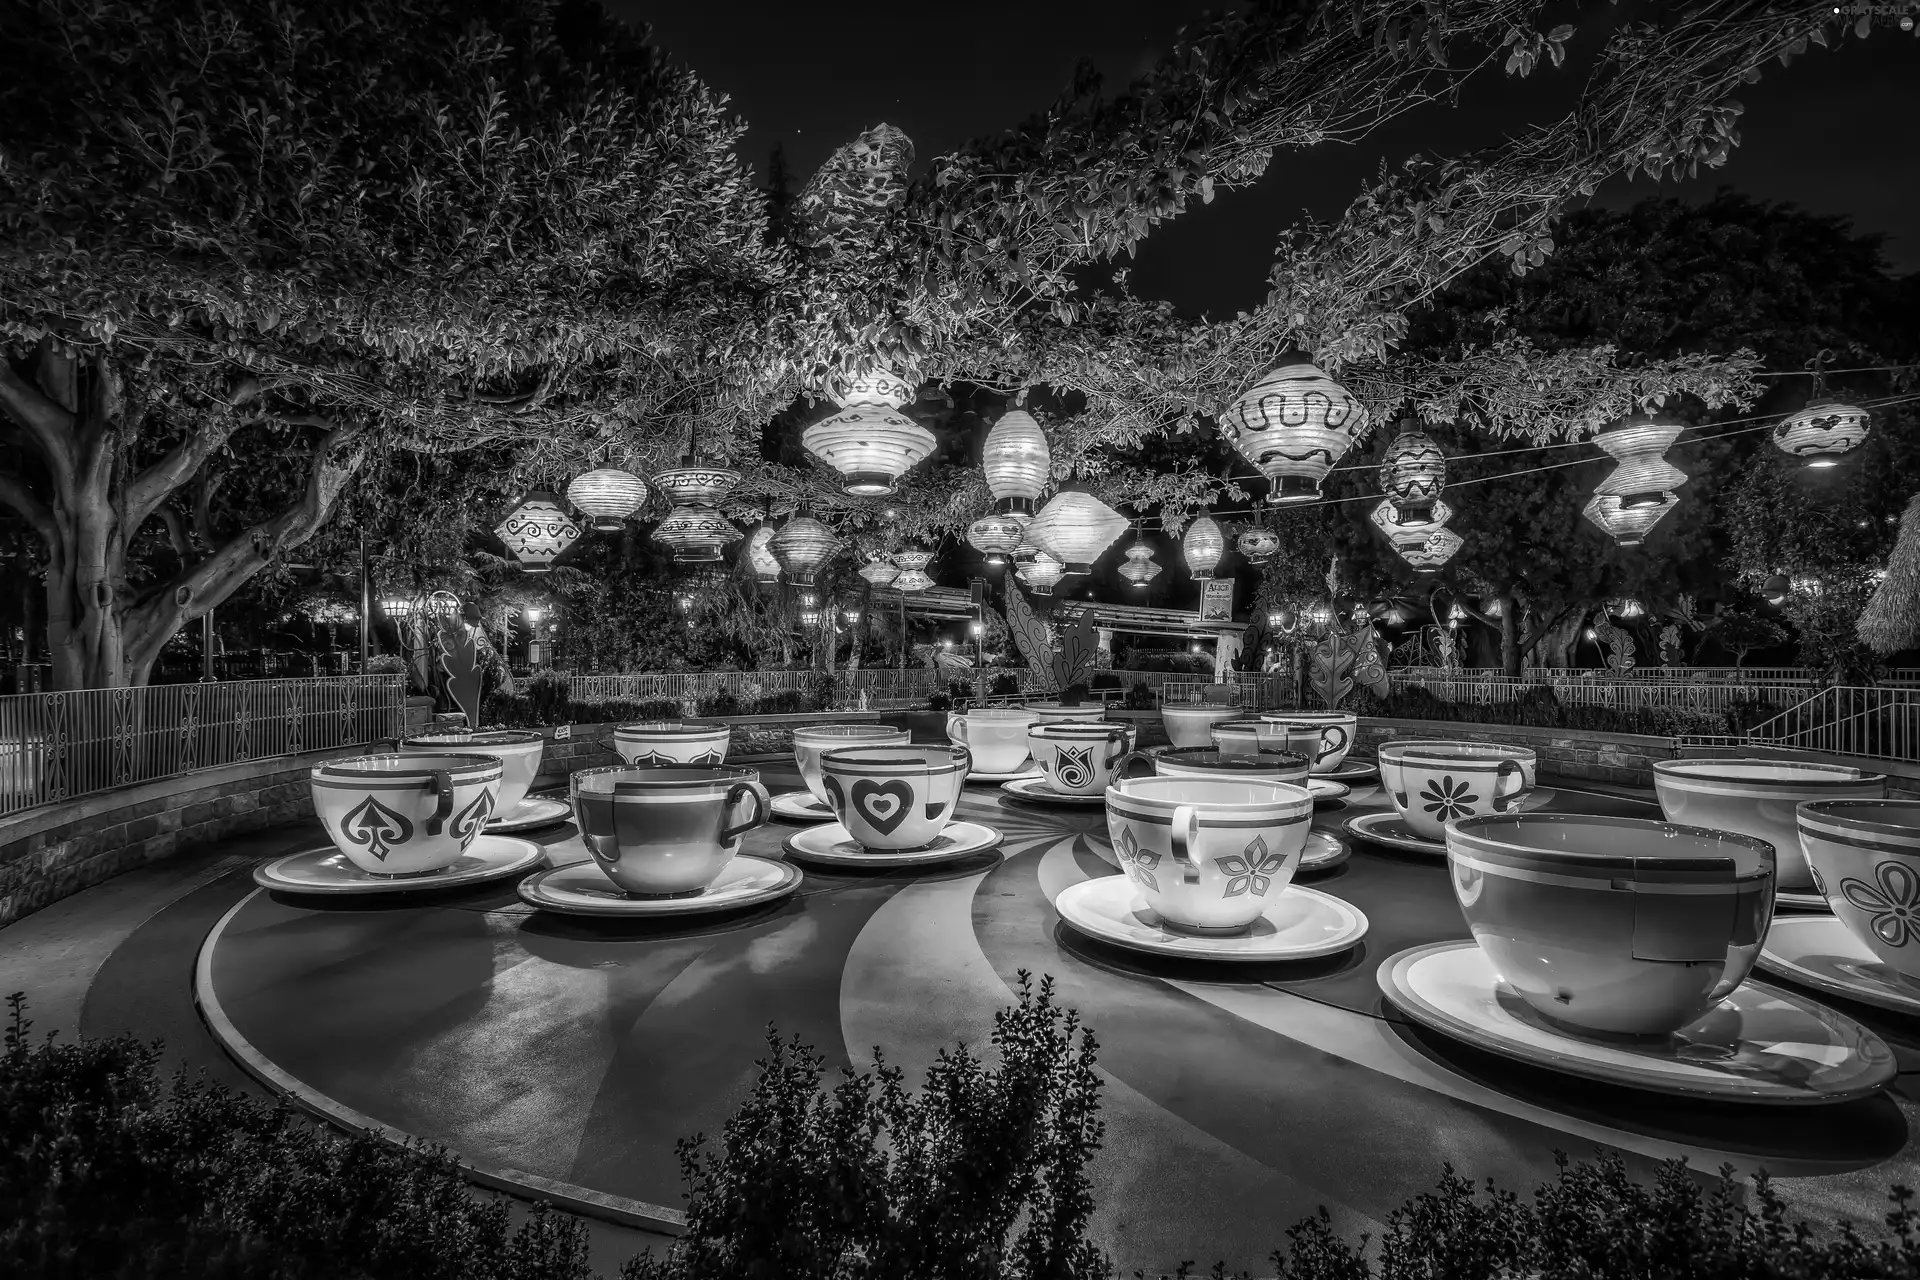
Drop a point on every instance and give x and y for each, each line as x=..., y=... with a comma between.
x=399, y=608
x=996, y=536
x=607, y=496
x=1294, y=424
x=1203, y=546
x=1422, y=540
x=880, y=571
x=1429, y=555
x=765, y=565
x=802, y=547
x=1775, y=589
x=869, y=441
x=1041, y=573
x=1629, y=502
x=1075, y=528
x=1140, y=568
x=1017, y=462
x=913, y=570
x=537, y=532
x=1822, y=432
x=1258, y=545
x=1413, y=473
x=695, y=534
x=697, y=482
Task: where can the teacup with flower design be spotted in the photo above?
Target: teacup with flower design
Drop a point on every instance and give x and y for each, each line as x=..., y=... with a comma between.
x=1436, y=782
x=1865, y=858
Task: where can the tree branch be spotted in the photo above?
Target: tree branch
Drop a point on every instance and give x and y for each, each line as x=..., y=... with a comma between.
x=48, y=425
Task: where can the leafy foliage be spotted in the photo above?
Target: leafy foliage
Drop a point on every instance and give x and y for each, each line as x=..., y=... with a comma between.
x=1540, y=708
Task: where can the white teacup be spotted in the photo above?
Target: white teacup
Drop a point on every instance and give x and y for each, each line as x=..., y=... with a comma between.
x=1336, y=729
x=894, y=797
x=996, y=736
x=667, y=742
x=1054, y=712
x=517, y=750
x=664, y=830
x=1078, y=756
x=1203, y=762
x=1613, y=925
x=1432, y=783
x=1865, y=860
x=405, y=815
x=1192, y=726
x=1246, y=737
x=1209, y=856
x=1757, y=798
x=810, y=742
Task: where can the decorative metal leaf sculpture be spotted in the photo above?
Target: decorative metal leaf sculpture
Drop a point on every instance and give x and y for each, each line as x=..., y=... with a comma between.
x=1079, y=651
x=1030, y=635
x=1370, y=666
x=1617, y=644
x=1330, y=669
x=461, y=665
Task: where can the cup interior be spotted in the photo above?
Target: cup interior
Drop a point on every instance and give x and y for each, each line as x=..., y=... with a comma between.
x=1257, y=762
x=892, y=759
x=821, y=734
x=386, y=766
x=1582, y=836
x=692, y=779
x=1792, y=771
x=1899, y=819
x=1210, y=793
x=670, y=728
x=1426, y=750
x=485, y=738
x=1000, y=715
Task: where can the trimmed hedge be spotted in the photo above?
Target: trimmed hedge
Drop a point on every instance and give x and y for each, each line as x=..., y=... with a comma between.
x=1539, y=707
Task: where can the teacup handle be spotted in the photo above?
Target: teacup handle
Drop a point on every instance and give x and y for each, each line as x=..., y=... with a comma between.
x=1333, y=740
x=761, y=801
x=956, y=729
x=1509, y=801
x=1143, y=756
x=1117, y=739
x=1186, y=834
x=966, y=759
x=442, y=782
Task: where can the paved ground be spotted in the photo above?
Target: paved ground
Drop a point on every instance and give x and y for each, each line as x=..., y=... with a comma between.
x=1235, y=1104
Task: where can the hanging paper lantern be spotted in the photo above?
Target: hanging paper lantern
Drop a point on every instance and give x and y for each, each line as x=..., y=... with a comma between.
x=695, y=534
x=1017, y=462
x=1413, y=472
x=1294, y=424
x=1075, y=528
x=1820, y=433
x=996, y=536
x=760, y=557
x=1435, y=551
x=1140, y=568
x=881, y=388
x=537, y=531
x=880, y=571
x=608, y=496
x=1258, y=545
x=870, y=445
x=1041, y=573
x=1398, y=527
x=1203, y=546
x=1776, y=589
x=697, y=482
x=802, y=546
x=1630, y=501
x=1627, y=526
x=913, y=570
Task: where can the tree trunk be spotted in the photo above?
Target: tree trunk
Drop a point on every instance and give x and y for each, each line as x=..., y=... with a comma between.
x=1509, y=635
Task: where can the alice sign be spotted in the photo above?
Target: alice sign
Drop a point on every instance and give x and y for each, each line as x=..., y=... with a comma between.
x=1216, y=600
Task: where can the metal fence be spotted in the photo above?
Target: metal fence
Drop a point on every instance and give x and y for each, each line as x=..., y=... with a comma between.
x=1622, y=695
x=56, y=746
x=1847, y=720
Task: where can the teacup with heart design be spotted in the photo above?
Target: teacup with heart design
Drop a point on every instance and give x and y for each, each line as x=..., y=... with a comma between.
x=1208, y=855
x=664, y=830
x=1336, y=730
x=996, y=736
x=1432, y=783
x=812, y=741
x=894, y=797
x=1078, y=756
x=405, y=815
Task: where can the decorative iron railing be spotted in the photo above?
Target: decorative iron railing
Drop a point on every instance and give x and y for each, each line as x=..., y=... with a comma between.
x=1622, y=695
x=56, y=746
x=1844, y=720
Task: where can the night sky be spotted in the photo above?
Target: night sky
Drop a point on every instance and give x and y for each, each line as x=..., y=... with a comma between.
x=1833, y=133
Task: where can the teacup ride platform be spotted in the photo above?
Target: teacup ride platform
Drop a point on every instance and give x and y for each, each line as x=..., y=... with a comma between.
x=833, y=845
x=532, y=814
x=583, y=889
x=1035, y=789
x=800, y=806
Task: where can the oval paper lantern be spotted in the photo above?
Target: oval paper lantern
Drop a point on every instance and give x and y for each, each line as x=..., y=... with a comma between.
x=1075, y=528
x=1016, y=461
x=760, y=557
x=1258, y=545
x=1820, y=433
x=537, y=531
x=802, y=547
x=607, y=496
x=1041, y=573
x=881, y=388
x=1203, y=546
x=1140, y=568
x=1413, y=472
x=995, y=536
x=695, y=534
x=871, y=446
x=697, y=482
x=1293, y=425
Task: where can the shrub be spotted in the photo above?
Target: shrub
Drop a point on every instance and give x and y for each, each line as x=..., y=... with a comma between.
x=939, y=702
x=825, y=692
x=786, y=702
x=386, y=664
x=1141, y=698
x=1004, y=685
x=1106, y=680
x=1538, y=706
x=723, y=702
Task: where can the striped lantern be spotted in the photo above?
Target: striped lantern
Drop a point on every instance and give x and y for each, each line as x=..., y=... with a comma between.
x=1293, y=425
x=607, y=496
x=996, y=536
x=537, y=532
x=1041, y=573
x=880, y=571
x=1203, y=546
x=1017, y=462
x=760, y=557
x=695, y=534
x=1413, y=472
x=871, y=446
x=1140, y=568
x=1076, y=528
x=802, y=547
x=1639, y=492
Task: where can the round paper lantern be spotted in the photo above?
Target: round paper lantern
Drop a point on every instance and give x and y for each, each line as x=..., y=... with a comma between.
x=695, y=534
x=1820, y=433
x=1075, y=528
x=870, y=445
x=537, y=531
x=697, y=482
x=1016, y=461
x=1776, y=588
x=882, y=388
x=607, y=496
x=1413, y=472
x=802, y=546
x=1428, y=556
x=760, y=557
x=995, y=536
x=1203, y=546
x=1140, y=568
x=1041, y=572
x=880, y=571
x=1258, y=545
x=1293, y=425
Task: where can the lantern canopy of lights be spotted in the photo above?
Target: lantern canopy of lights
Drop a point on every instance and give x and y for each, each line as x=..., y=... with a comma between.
x=1075, y=528
x=760, y=557
x=1140, y=568
x=1820, y=433
x=913, y=570
x=1017, y=462
x=1293, y=425
x=1041, y=573
x=880, y=571
x=1413, y=472
x=537, y=531
x=1630, y=501
x=695, y=534
x=607, y=496
x=996, y=536
x=1203, y=546
x=1258, y=545
x=697, y=482
x=802, y=546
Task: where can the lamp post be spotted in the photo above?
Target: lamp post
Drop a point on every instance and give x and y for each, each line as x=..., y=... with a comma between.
x=366, y=605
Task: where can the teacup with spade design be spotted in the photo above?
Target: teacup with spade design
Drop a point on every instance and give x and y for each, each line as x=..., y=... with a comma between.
x=897, y=797
x=1078, y=756
x=405, y=815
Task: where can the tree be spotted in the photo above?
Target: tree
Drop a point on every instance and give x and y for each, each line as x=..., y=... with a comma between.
x=247, y=247
x=1740, y=632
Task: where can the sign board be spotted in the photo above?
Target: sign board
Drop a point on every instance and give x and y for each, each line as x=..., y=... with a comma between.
x=562, y=731
x=1216, y=600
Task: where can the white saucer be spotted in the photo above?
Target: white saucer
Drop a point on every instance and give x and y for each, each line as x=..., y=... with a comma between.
x=800, y=806
x=1323, y=852
x=326, y=870
x=1820, y=952
x=1324, y=791
x=1760, y=1044
x=1037, y=790
x=1801, y=901
x=1351, y=772
x=1028, y=770
x=582, y=889
x=1298, y=924
x=1390, y=829
x=831, y=846
x=531, y=813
